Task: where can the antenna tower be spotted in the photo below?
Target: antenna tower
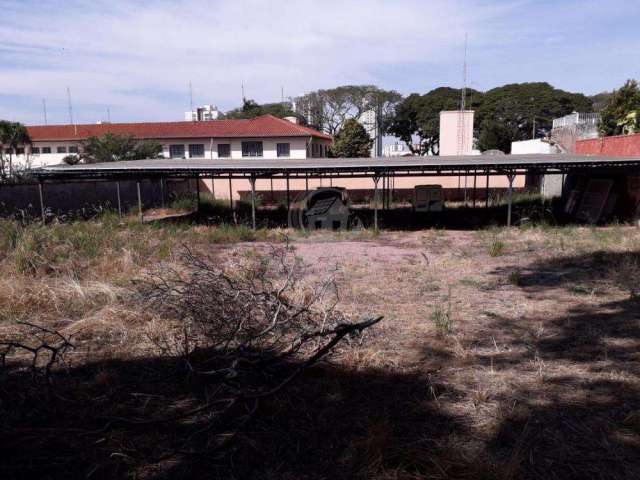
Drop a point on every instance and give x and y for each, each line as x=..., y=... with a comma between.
x=71, y=122
x=44, y=110
x=463, y=104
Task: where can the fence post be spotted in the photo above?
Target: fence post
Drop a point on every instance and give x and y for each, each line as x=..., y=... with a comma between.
x=140, y=215
x=41, y=201
x=118, y=197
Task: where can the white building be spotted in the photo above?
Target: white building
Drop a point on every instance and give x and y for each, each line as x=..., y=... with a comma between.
x=262, y=137
x=369, y=120
x=532, y=146
x=397, y=150
x=456, y=132
x=202, y=114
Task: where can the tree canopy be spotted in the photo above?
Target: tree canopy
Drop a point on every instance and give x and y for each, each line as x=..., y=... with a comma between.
x=116, y=148
x=527, y=110
x=351, y=141
x=622, y=112
x=510, y=113
x=418, y=116
x=328, y=110
x=252, y=109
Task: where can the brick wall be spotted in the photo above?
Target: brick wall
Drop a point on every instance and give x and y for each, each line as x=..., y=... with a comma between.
x=618, y=146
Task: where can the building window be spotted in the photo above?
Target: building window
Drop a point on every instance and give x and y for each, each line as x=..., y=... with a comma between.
x=284, y=149
x=46, y=149
x=251, y=149
x=35, y=150
x=73, y=149
x=196, y=150
x=61, y=149
x=224, y=150
x=176, y=151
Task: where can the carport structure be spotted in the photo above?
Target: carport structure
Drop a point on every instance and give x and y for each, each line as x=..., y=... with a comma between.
x=330, y=168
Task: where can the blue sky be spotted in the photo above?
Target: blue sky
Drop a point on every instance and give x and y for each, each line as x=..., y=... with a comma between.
x=136, y=58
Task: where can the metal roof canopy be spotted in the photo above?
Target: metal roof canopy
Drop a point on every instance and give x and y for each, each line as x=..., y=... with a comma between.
x=253, y=169
x=342, y=167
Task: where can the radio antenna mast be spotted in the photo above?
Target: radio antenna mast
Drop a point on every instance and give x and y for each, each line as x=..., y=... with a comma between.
x=243, y=97
x=191, y=98
x=463, y=101
x=71, y=122
x=44, y=110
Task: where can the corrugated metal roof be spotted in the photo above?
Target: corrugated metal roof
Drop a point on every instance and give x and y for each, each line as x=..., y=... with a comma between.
x=409, y=166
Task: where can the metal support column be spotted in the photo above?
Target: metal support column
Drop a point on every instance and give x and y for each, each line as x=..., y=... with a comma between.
x=375, y=202
x=230, y=193
x=162, y=192
x=486, y=193
x=198, y=193
x=510, y=177
x=252, y=181
x=41, y=202
x=119, y=200
x=475, y=178
x=271, y=182
x=139, y=202
x=288, y=196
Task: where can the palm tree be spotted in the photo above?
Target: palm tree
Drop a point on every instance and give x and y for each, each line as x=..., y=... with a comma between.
x=12, y=135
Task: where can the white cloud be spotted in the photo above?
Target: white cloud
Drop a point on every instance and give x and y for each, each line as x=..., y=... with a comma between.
x=138, y=57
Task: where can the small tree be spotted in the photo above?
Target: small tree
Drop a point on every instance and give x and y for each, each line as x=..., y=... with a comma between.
x=118, y=148
x=12, y=135
x=352, y=141
x=621, y=112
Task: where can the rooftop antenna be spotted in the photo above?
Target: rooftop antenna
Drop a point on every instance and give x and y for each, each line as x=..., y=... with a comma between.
x=71, y=122
x=191, y=98
x=44, y=110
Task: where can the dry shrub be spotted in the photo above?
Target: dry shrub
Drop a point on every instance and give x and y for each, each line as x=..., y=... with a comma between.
x=247, y=328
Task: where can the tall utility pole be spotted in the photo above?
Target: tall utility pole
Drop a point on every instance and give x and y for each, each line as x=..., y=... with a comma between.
x=243, y=97
x=191, y=98
x=44, y=110
x=108, y=115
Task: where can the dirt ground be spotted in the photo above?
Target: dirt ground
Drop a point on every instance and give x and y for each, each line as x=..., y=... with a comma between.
x=503, y=354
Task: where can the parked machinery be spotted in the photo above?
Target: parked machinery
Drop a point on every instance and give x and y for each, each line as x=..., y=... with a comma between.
x=428, y=198
x=323, y=208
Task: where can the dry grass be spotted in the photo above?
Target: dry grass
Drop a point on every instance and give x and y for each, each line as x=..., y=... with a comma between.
x=537, y=376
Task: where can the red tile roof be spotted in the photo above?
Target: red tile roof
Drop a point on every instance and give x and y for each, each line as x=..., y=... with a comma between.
x=263, y=126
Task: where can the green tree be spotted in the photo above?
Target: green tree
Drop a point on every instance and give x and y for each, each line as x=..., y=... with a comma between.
x=352, y=141
x=117, y=148
x=527, y=110
x=329, y=109
x=251, y=109
x=12, y=136
x=417, y=117
x=622, y=105
x=494, y=136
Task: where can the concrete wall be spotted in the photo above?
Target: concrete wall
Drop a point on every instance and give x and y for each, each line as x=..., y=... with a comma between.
x=618, y=146
x=531, y=146
x=450, y=123
x=220, y=188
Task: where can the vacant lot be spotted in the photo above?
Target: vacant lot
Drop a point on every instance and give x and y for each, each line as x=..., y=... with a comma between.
x=503, y=354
